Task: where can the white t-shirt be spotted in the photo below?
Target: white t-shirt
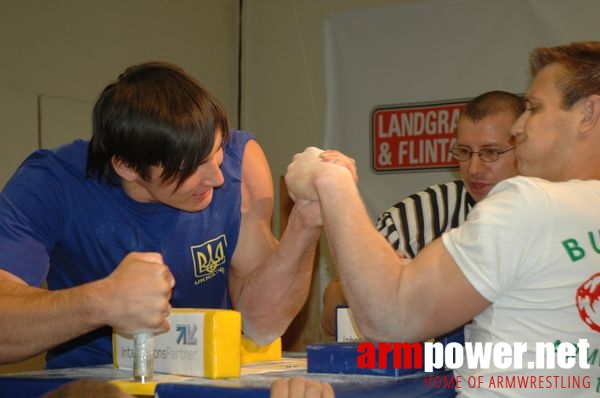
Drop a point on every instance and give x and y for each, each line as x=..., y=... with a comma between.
x=529, y=248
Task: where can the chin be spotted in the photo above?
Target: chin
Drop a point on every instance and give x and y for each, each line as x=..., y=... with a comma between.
x=191, y=209
x=199, y=205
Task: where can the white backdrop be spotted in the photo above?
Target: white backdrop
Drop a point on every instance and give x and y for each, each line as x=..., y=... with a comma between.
x=433, y=51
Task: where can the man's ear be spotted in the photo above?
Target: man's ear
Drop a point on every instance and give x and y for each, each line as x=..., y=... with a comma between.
x=123, y=170
x=591, y=113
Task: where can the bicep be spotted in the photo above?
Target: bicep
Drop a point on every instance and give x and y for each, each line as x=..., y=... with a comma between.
x=440, y=294
x=25, y=244
x=256, y=241
x=32, y=213
x=257, y=183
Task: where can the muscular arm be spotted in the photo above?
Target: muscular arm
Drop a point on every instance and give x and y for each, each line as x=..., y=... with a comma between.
x=33, y=320
x=269, y=280
x=408, y=226
x=333, y=296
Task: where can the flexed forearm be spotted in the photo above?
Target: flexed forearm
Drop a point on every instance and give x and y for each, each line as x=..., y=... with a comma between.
x=359, y=251
x=274, y=293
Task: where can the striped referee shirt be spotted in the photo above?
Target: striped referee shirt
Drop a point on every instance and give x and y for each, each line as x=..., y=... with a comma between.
x=420, y=218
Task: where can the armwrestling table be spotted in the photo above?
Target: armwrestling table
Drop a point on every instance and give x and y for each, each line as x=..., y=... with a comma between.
x=254, y=382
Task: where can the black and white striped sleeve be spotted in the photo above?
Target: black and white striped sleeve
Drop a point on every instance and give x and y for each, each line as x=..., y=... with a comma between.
x=422, y=217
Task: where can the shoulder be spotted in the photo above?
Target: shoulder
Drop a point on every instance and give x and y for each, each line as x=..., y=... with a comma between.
x=47, y=166
x=526, y=188
x=454, y=188
x=255, y=167
x=515, y=204
x=538, y=199
x=238, y=149
x=256, y=179
x=451, y=189
x=540, y=186
x=238, y=140
x=243, y=146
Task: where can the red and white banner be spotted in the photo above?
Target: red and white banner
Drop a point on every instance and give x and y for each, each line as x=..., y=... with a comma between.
x=414, y=137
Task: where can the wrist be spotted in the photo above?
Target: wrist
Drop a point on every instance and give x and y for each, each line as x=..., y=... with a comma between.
x=97, y=294
x=332, y=177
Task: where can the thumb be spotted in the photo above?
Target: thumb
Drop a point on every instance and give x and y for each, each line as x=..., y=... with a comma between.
x=150, y=257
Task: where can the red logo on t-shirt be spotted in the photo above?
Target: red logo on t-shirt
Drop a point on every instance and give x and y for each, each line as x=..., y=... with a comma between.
x=587, y=302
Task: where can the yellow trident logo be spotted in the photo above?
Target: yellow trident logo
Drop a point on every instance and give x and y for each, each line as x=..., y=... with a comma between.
x=209, y=256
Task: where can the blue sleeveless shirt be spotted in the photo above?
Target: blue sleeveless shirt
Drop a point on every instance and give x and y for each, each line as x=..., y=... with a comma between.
x=56, y=223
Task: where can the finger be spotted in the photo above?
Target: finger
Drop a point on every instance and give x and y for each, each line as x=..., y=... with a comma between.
x=304, y=202
x=297, y=387
x=314, y=149
x=169, y=277
x=293, y=196
x=327, y=391
x=280, y=389
x=166, y=311
x=333, y=154
x=150, y=257
x=165, y=325
x=316, y=389
x=313, y=390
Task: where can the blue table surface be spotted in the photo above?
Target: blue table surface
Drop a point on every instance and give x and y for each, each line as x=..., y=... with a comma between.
x=36, y=384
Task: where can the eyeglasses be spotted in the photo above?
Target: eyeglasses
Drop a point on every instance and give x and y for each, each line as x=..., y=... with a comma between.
x=463, y=154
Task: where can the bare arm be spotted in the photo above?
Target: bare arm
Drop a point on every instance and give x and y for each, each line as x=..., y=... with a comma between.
x=270, y=280
x=389, y=302
x=333, y=296
x=34, y=320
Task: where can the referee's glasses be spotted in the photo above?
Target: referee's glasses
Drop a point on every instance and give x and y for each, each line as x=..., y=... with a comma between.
x=463, y=153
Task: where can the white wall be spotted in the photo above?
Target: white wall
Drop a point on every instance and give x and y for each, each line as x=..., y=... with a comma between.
x=63, y=52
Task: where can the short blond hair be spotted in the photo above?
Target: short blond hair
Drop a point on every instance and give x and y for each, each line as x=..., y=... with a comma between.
x=581, y=63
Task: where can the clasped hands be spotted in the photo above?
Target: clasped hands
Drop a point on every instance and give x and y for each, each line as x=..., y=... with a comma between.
x=306, y=167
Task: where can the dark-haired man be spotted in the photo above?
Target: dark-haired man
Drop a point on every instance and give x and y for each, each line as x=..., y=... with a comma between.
x=164, y=206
